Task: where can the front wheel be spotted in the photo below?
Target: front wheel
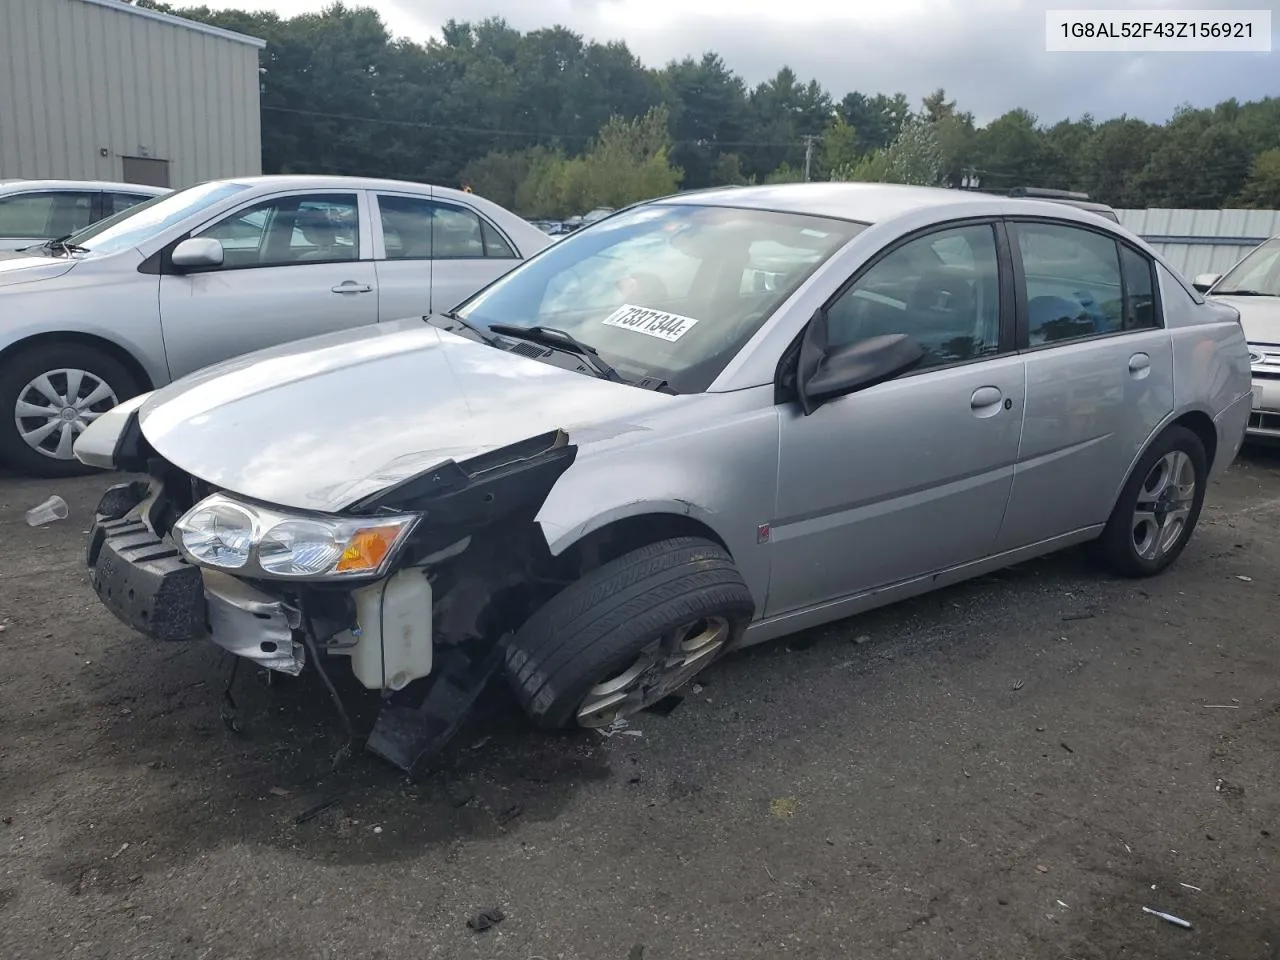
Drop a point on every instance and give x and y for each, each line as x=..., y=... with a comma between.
x=1157, y=511
x=628, y=634
x=49, y=394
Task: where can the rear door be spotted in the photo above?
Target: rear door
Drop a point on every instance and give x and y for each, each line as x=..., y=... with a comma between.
x=1099, y=374
x=295, y=265
x=432, y=254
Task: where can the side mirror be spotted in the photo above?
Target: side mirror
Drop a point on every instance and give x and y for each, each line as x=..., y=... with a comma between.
x=1205, y=280
x=198, y=252
x=856, y=366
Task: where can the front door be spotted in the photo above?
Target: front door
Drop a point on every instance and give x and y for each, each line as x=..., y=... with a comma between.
x=910, y=476
x=292, y=268
x=1099, y=375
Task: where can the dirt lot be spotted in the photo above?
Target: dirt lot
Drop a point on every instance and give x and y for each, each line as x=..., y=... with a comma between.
x=1009, y=769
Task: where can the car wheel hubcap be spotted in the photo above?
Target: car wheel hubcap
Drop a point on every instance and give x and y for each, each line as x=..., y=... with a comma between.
x=664, y=665
x=1164, y=505
x=57, y=406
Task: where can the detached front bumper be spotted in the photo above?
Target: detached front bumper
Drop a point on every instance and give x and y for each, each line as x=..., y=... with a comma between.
x=142, y=578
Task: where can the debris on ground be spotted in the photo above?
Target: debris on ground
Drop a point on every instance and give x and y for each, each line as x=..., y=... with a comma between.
x=1244, y=578
x=123, y=848
x=1041, y=868
x=510, y=813
x=1017, y=684
x=55, y=508
x=1170, y=918
x=619, y=725
x=312, y=812
x=278, y=792
x=486, y=919
x=1221, y=706
x=1190, y=887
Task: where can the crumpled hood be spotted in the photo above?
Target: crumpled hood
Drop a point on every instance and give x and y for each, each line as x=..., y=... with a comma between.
x=16, y=267
x=1260, y=317
x=321, y=423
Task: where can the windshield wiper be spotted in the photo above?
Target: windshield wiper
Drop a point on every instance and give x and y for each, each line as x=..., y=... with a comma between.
x=60, y=243
x=1241, y=293
x=559, y=339
x=467, y=324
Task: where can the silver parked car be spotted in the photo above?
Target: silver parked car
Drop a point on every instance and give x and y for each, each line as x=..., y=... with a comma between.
x=1252, y=286
x=222, y=269
x=34, y=212
x=626, y=457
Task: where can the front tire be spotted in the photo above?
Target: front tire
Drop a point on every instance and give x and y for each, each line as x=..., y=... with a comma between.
x=628, y=634
x=1158, y=509
x=48, y=395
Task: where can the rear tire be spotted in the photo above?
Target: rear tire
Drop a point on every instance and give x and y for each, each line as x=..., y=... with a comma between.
x=40, y=378
x=1157, y=510
x=628, y=634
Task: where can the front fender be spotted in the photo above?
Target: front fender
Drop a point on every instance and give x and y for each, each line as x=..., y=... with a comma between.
x=720, y=471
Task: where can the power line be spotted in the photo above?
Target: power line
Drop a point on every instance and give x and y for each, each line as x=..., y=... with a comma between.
x=526, y=134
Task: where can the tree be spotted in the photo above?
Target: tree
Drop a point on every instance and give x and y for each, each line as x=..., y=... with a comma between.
x=1262, y=189
x=915, y=156
x=838, y=147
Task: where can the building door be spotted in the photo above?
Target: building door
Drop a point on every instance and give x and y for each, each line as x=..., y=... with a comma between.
x=146, y=170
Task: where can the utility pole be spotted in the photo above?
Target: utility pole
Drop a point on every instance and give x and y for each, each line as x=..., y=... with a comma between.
x=809, y=140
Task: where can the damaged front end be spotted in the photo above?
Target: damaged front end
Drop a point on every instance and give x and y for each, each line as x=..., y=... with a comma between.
x=416, y=586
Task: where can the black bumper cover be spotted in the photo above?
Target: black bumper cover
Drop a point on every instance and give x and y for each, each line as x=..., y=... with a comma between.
x=141, y=578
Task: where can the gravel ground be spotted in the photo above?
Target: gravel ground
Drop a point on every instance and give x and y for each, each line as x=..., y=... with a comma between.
x=1012, y=768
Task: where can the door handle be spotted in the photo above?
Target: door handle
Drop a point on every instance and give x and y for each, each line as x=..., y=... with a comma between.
x=985, y=401
x=350, y=286
x=1139, y=365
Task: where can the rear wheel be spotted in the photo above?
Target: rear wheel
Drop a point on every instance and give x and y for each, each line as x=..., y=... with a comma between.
x=49, y=394
x=628, y=634
x=1158, y=509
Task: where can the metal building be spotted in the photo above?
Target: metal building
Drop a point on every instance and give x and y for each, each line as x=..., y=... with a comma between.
x=1202, y=241
x=103, y=90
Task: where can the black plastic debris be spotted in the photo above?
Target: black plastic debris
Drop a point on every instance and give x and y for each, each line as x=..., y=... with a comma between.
x=312, y=812
x=486, y=919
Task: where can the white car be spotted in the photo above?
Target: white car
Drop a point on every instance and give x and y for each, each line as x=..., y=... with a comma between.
x=218, y=270
x=1252, y=286
x=33, y=212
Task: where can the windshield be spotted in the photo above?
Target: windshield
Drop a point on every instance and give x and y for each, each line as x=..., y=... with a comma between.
x=1258, y=274
x=665, y=291
x=138, y=224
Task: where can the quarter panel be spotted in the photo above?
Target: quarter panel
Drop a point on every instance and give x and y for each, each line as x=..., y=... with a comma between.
x=713, y=458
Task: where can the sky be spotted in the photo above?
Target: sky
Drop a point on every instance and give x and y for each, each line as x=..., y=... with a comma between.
x=989, y=55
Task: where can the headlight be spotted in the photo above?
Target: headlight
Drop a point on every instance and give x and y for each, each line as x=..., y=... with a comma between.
x=224, y=533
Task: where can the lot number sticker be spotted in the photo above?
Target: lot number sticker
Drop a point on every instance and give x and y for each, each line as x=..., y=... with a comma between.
x=656, y=323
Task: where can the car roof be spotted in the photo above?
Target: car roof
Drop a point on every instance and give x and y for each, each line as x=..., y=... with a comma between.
x=868, y=203
x=20, y=184
x=314, y=181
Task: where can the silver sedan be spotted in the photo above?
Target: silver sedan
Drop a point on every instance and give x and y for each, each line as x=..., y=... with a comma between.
x=629, y=455
x=221, y=269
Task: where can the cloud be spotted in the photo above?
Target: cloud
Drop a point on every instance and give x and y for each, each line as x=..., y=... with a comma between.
x=988, y=54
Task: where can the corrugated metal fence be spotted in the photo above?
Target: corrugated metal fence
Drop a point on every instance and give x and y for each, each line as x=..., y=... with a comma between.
x=1202, y=241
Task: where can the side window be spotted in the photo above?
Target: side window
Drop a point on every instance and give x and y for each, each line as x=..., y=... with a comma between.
x=1139, y=289
x=44, y=216
x=1072, y=281
x=316, y=228
x=455, y=234
x=495, y=245
x=406, y=227
x=943, y=289
x=119, y=202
